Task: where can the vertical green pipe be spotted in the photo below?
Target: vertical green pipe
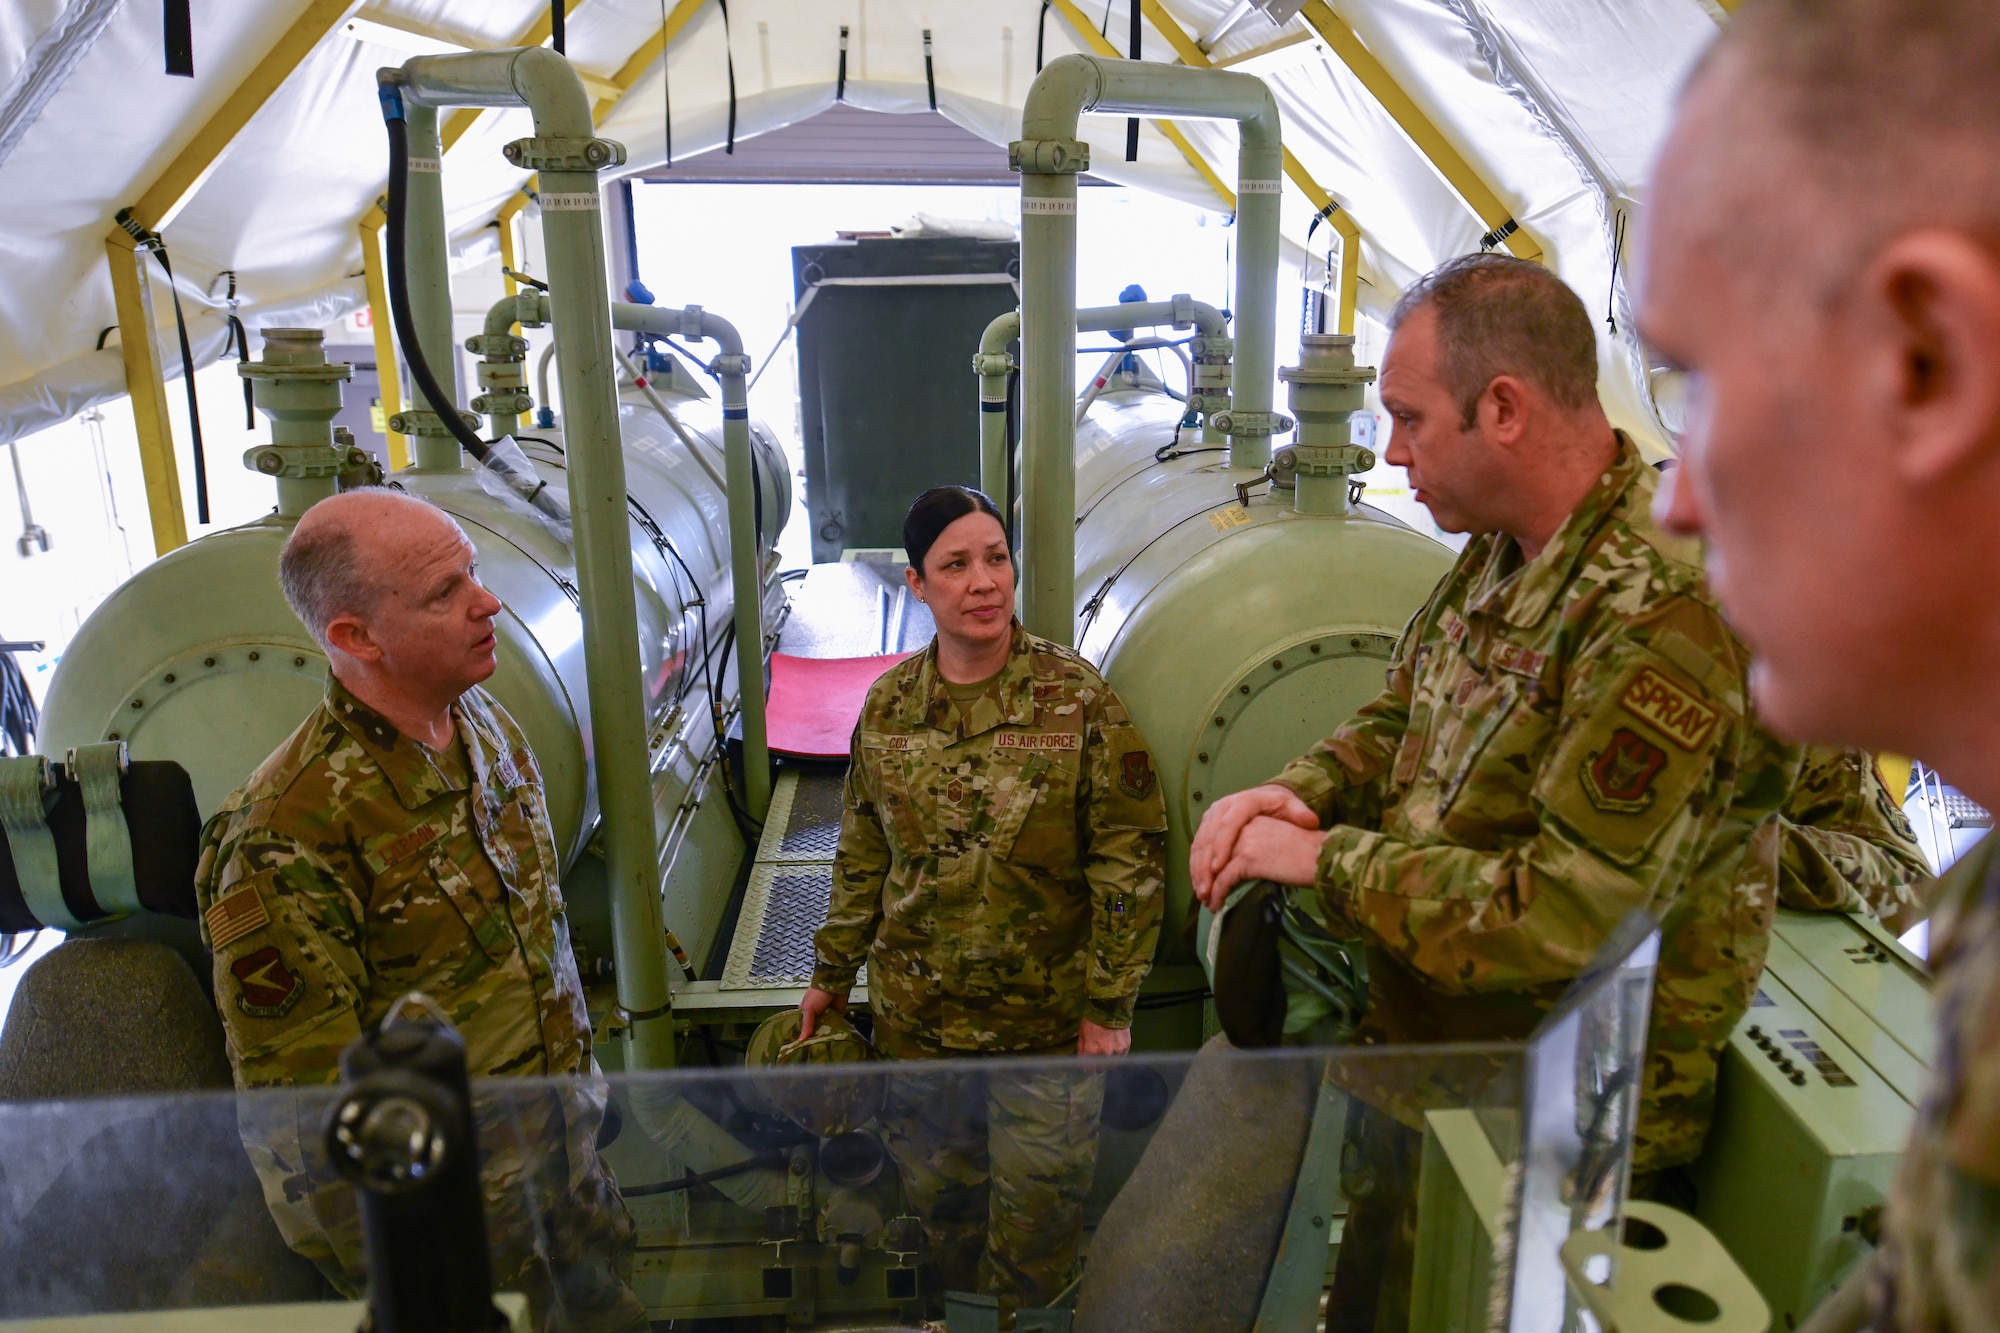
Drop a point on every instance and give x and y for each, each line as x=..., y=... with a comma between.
x=993, y=365
x=1048, y=157
x=747, y=584
x=595, y=455
x=580, y=310
x=1259, y=168
x=429, y=259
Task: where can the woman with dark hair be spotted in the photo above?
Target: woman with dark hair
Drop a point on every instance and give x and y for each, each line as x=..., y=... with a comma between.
x=1001, y=869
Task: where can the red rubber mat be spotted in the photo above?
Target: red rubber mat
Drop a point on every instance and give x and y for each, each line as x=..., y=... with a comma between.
x=815, y=701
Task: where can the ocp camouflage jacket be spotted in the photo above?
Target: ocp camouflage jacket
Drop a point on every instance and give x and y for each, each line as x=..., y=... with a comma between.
x=1001, y=866
x=1562, y=740
x=346, y=873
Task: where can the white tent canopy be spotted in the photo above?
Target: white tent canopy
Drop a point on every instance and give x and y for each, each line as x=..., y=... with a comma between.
x=1557, y=105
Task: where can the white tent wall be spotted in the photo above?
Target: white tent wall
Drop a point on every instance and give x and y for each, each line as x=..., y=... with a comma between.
x=1558, y=104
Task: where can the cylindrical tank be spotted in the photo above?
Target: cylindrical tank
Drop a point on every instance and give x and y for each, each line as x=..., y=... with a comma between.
x=1237, y=635
x=198, y=658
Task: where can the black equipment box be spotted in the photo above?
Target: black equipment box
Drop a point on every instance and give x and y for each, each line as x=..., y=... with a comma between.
x=888, y=405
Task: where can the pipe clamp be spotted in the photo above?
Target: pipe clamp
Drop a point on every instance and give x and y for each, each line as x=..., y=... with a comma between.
x=425, y=424
x=565, y=154
x=502, y=345
x=1048, y=157
x=991, y=363
x=1250, y=425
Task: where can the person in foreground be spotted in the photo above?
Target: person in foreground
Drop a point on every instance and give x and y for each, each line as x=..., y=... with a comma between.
x=1844, y=468
x=1001, y=869
x=1563, y=738
x=399, y=842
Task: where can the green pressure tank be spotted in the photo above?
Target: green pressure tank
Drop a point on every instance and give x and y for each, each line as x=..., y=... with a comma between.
x=198, y=658
x=1236, y=633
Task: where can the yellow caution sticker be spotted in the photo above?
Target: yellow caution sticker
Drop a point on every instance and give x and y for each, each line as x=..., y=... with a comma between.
x=1230, y=516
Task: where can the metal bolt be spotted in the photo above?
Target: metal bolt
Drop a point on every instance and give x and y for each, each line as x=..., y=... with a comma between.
x=1315, y=648
x=1277, y=665
x=138, y=703
x=298, y=661
x=112, y=736
x=208, y=661
x=1319, y=1221
x=1221, y=722
x=254, y=656
x=1354, y=643
x=1244, y=688
x=1202, y=758
x=1197, y=796
x=170, y=678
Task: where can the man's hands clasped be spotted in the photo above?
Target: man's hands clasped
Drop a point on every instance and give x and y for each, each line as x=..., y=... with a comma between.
x=1266, y=832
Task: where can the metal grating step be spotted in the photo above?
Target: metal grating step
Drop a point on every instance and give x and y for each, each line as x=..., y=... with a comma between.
x=804, y=823
x=782, y=907
x=791, y=884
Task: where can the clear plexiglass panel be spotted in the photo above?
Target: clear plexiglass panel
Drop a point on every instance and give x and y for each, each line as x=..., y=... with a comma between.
x=1209, y=1189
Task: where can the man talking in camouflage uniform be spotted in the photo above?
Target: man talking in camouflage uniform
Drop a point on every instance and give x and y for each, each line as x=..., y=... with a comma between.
x=399, y=842
x=1001, y=869
x=1846, y=476
x=1564, y=738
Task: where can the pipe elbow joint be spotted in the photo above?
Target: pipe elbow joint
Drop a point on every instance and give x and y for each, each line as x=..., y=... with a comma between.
x=1066, y=88
x=553, y=91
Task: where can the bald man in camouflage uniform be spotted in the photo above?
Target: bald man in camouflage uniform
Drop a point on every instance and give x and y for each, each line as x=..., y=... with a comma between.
x=1001, y=870
x=358, y=865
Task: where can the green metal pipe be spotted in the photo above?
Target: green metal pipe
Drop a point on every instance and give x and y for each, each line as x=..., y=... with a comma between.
x=567, y=153
x=1048, y=156
x=430, y=288
x=993, y=364
x=732, y=368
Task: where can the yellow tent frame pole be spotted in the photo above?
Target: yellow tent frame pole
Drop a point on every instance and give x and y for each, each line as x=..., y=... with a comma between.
x=156, y=207
x=1350, y=232
x=1102, y=46
x=1430, y=141
x=145, y=380
x=388, y=373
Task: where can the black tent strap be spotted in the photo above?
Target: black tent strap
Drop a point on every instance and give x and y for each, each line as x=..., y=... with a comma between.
x=1617, y=252
x=152, y=240
x=558, y=38
x=840, y=79
x=1041, y=31
x=729, y=55
x=1499, y=234
x=930, y=71
x=1131, y=122
x=241, y=340
x=179, y=24
x=1332, y=207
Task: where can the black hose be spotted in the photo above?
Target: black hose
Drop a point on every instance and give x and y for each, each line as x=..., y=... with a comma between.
x=405, y=321
x=773, y=1161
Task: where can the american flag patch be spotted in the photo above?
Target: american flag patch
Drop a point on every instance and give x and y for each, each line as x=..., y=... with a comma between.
x=234, y=917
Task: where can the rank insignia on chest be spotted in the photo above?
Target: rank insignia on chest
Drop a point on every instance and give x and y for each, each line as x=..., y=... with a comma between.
x=954, y=791
x=1135, y=774
x=266, y=988
x=1619, y=778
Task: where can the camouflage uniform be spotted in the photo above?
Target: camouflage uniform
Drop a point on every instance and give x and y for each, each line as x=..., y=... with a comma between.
x=1561, y=740
x=1001, y=867
x=356, y=866
x=1939, y=1267
x=1847, y=846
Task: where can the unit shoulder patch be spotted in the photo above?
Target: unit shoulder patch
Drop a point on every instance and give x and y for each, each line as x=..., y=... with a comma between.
x=1619, y=777
x=1135, y=774
x=1673, y=711
x=1037, y=740
x=265, y=986
x=235, y=915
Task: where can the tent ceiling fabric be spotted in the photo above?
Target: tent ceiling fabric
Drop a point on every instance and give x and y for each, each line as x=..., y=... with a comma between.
x=1558, y=104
